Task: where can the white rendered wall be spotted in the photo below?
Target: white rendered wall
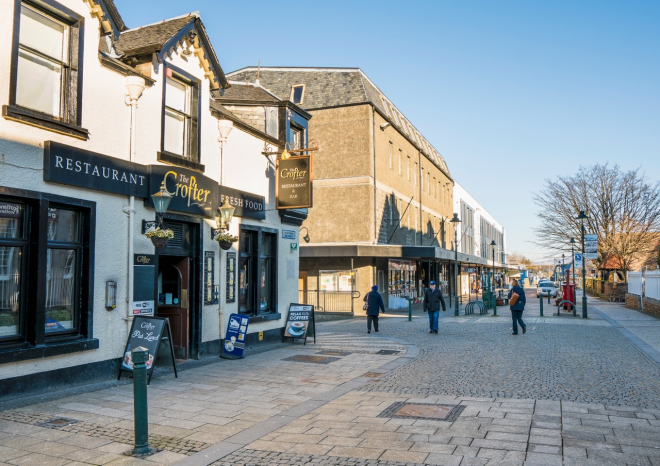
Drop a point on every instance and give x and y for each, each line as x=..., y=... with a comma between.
x=107, y=117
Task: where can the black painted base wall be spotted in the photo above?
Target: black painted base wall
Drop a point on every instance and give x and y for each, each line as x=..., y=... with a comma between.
x=59, y=379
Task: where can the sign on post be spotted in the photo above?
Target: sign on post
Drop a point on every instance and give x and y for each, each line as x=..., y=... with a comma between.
x=298, y=322
x=294, y=183
x=578, y=260
x=235, y=336
x=149, y=332
x=591, y=247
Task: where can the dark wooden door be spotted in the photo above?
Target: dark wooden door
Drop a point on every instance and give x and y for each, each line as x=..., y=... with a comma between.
x=175, y=273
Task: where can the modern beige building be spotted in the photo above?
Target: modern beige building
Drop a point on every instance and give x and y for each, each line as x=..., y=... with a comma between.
x=382, y=194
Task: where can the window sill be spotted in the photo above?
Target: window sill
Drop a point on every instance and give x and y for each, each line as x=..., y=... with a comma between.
x=265, y=317
x=43, y=121
x=173, y=159
x=10, y=355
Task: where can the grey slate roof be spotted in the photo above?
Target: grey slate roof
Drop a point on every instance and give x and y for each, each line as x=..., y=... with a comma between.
x=334, y=87
x=149, y=39
x=239, y=92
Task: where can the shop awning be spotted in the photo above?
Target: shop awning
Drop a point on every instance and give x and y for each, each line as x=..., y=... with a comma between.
x=386, y=250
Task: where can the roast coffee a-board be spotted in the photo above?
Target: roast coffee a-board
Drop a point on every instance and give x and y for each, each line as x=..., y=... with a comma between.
x=299, y=321
x=154, y=334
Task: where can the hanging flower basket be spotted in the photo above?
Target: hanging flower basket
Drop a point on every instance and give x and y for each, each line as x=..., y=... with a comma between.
x=225, y=245
x=225, y=240
x=159, y=237
x=159, y=242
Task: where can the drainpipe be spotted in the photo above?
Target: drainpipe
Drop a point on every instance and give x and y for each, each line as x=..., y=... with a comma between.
x=373, y=135
x=224, y=128
x=134, y=87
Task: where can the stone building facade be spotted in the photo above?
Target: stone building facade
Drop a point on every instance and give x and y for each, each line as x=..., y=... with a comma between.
x=382, y=192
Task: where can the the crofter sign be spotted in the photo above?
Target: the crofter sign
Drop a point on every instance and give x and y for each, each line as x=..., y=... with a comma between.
x=191, y=191
x=294, y=182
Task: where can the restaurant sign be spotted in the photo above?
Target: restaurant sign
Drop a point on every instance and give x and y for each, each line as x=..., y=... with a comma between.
x=191, y=191
x=294, y=182
x=78, y=167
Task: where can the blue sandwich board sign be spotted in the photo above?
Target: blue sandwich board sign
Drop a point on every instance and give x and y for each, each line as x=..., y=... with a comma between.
x=235, y=336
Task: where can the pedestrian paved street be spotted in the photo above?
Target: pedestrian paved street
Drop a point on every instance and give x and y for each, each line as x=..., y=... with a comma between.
x=569, y=392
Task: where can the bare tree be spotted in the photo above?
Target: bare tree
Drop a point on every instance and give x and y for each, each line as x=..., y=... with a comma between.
x=519, y=258
x=623, y=209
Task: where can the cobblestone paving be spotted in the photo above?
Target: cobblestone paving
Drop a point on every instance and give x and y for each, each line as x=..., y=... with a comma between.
x=585, y=363
x=258, y=458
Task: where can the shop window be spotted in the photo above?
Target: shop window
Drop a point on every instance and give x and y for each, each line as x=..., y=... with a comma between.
x=46, y=68
x=44, y=248
x=62, y=271
x=402, y=278
x=297, y=94
x=181, y=115
x=13, y=245
x=257, y=279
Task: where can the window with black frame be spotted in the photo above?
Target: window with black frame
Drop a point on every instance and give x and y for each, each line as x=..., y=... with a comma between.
x=13, y=245
x=180, y=120
x=63, y=258
x=47, y=62
x=257, y=282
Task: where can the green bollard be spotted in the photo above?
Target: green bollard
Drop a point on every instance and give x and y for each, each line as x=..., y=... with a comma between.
x=541, y=300
x=409, y=309
x=140, y=357
x=494, y=306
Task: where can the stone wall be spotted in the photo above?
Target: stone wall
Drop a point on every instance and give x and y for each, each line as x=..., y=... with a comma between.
x=652, y=306
x=632, y=301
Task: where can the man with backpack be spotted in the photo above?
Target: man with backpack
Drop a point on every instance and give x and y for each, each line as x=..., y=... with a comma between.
x=432, y=301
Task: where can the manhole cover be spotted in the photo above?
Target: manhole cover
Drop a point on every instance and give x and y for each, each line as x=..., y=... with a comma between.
x=57, y=422
x=312, y=359
x=373, y=375
x=388, y=351
x=335, y=353
x=439, y=412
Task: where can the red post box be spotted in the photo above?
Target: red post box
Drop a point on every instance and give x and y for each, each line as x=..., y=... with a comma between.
x=568, y=291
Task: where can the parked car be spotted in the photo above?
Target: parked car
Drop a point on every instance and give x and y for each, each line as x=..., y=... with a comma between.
x=546, y=288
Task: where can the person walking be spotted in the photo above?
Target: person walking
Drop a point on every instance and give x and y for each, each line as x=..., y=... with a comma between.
x=517, y=306
x=375, y=305
x=432, y=301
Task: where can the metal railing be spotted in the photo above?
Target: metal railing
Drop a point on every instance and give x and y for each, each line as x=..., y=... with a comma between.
x=329, y=301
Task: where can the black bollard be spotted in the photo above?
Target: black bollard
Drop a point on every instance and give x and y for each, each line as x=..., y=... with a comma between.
x=140, y=357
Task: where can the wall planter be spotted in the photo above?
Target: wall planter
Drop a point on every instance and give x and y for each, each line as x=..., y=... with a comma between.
x=158, y=237
x=225, y=240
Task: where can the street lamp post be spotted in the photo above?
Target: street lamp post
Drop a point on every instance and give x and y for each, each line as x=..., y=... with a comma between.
x=563, y=266
x=493, y=244
x=573, y=265
x=581, y=217
x=455, y=221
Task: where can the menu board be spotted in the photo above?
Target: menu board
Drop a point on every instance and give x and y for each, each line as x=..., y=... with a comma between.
x=298, y=322
x=235, y=336
x=149, y=332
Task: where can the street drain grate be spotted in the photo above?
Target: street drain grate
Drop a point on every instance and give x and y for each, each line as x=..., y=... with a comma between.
x=335, y=353
x=312, y=359
x=388, y=351
x=437, y=412
x=373, y=375
x=58, y=422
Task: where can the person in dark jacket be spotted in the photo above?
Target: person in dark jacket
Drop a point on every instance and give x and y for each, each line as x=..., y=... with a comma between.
x=432, y=301
x=518, y=308
x=374, y=306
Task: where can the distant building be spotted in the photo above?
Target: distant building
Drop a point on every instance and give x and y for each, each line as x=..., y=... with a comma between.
x=382, y=192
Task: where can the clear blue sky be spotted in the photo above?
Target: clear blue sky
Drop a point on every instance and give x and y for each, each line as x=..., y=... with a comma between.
x=510, y=92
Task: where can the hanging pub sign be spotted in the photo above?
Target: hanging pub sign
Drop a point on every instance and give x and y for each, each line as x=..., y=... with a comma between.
x=294, y=182
x=298, y=322
x=77, y=167
x=154, y=334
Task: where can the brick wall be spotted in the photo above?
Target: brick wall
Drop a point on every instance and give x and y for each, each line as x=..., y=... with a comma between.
x=652, y=306
x=632, y=301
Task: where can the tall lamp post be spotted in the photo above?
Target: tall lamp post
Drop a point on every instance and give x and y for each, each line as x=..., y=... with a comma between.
x=581, y=218
x=493, y=244
x=455, y=221
x=563, y=266
x=573, y=257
